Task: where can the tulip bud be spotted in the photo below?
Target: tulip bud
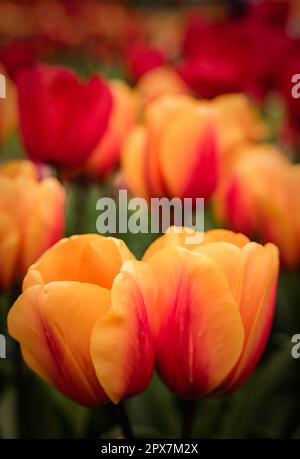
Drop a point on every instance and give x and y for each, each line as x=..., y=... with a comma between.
x=214, y=305
x=32, y=217
x=81, y=320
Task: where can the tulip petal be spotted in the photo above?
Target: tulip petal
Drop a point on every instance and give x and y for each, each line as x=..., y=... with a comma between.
x=45, y=225
x=222, y=235
x=195, y=314
x=159, y=115
x=16, y=168
x=133, y=161
x=122, y=344
x=53, y=324
x=256, y=290
x=226, y=256
x=189, y=155
x=181, y=236
x=9, y=249
x=88, y=258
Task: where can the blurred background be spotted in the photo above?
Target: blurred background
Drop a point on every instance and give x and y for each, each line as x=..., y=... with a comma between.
x=201, y=48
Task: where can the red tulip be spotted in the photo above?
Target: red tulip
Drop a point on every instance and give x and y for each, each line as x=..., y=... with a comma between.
x=143, y=59
x=62, y=118
x=18, y=55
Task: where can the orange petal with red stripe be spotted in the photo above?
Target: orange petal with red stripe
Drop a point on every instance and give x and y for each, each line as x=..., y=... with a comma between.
x=195, y=316
x=53, y=324
x=122, y=343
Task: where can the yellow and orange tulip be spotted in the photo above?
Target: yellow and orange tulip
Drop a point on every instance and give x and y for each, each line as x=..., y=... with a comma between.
x=238, y=122
x=214, y=306
x=174, y=153
x=261, y=196
x=31, y=215
x=161, y=81
x=82, y=322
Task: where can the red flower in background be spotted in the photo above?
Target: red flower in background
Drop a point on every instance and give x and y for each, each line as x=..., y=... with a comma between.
x=143, y=58
x=290, y=67
x=237, y=55
x=18, y=55
x=269, y=13
x=62, y=119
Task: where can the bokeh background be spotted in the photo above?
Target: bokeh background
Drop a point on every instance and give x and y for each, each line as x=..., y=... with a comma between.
x=202, y=48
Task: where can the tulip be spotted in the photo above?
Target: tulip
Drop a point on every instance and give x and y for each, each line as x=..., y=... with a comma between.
x=237, y=122
x=19, y=54
x=62, y=119
x=143, y=58
x=32, y=218
x=214, y=307
x=126, y=107
x=261, y=197
x=81, y=320
x=174, y=153
x=161, y=81
x=242, y=62
x=8, y=109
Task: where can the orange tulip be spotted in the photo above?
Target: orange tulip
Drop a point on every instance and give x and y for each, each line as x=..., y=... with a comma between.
x=81, y=320
x=237, y=122
x=161, y=81
x=8, y=109
x=174, y=153
x=239, y=119
x=213, y=308
x=31, y=215
x=126, y=107
x=261, y=196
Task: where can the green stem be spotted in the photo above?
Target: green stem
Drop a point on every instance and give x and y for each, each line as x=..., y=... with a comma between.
x=81, y=206
x=58, y=173
x=124, y=421
x=18, y=369
x=189, y=411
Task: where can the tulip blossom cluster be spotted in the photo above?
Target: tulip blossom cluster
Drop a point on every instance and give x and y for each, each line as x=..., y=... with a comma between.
x=31, y=215
x=175, y=106
x=261, y=196
x=93, y=321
